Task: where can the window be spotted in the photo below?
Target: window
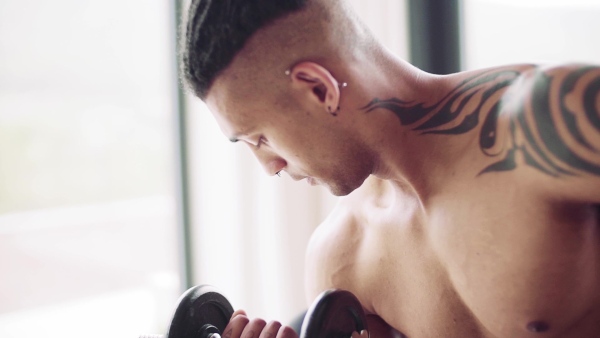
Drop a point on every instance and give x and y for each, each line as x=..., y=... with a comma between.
x=516, y=31
x=87, y=211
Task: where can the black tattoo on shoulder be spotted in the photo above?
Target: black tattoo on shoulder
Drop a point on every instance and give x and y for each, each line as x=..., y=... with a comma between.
x=543, y=127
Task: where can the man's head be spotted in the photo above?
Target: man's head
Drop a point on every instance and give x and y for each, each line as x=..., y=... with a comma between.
x=218, y=29
x=271, y=72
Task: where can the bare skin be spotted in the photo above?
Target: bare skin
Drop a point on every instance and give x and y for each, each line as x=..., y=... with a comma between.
x=435, y=278
x=508, y=253
x=481, y=216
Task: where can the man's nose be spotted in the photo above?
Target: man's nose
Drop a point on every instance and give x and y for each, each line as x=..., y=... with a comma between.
x=271, y=163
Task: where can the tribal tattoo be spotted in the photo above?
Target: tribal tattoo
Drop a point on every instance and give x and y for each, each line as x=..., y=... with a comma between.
x=553, y=117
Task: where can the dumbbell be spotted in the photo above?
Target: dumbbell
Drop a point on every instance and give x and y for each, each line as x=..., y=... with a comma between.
x=203, y=312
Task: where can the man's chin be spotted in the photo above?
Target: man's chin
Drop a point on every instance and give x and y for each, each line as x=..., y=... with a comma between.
x=340, y=190
x=311, y=181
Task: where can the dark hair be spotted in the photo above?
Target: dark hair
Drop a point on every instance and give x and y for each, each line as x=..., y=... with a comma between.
x=218, y=29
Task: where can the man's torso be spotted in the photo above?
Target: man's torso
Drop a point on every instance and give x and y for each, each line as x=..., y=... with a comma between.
x=488, y=254
x=493, y=263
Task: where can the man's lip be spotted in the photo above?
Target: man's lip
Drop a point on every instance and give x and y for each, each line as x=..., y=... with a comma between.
x=310, y=180
x=297, y=178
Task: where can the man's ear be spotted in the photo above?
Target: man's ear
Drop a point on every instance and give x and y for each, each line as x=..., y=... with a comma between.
x=317, y=84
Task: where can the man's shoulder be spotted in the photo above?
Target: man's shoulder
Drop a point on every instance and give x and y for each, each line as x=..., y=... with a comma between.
x=373, y=192
x=333, y=251
x=343, y=224
x=555, y=125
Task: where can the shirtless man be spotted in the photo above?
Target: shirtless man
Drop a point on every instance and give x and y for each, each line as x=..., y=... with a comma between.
x=481, y=218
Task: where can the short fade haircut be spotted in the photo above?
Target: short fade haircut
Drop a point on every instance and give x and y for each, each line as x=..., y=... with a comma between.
x=218, y=29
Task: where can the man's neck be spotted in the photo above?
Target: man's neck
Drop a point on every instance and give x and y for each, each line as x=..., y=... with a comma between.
x=398, y=94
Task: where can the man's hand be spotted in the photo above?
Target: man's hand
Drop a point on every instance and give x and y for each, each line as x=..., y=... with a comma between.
x=240, y=326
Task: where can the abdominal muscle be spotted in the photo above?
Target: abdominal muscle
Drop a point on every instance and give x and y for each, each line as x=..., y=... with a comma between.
x=460, y=273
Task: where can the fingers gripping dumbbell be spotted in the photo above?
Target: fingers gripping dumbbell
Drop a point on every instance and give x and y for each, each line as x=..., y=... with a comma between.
x=202, y=312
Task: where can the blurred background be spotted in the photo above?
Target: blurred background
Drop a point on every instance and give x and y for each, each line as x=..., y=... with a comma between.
x=117, y=191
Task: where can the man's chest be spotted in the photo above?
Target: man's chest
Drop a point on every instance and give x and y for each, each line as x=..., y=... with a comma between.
x=496, y=267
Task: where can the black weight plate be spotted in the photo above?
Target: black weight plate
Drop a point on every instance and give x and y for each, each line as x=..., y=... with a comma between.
x=334, y=314
x=198, y=306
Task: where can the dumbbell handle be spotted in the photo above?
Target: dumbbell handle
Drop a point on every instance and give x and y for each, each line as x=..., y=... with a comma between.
x=207, y=331
x=202, y=310
x=214, y=335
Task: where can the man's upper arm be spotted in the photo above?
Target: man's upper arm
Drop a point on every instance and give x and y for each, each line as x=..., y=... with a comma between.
x=330, y=254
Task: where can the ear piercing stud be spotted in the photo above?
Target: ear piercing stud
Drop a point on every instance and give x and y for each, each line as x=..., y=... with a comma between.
x=333, y=112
